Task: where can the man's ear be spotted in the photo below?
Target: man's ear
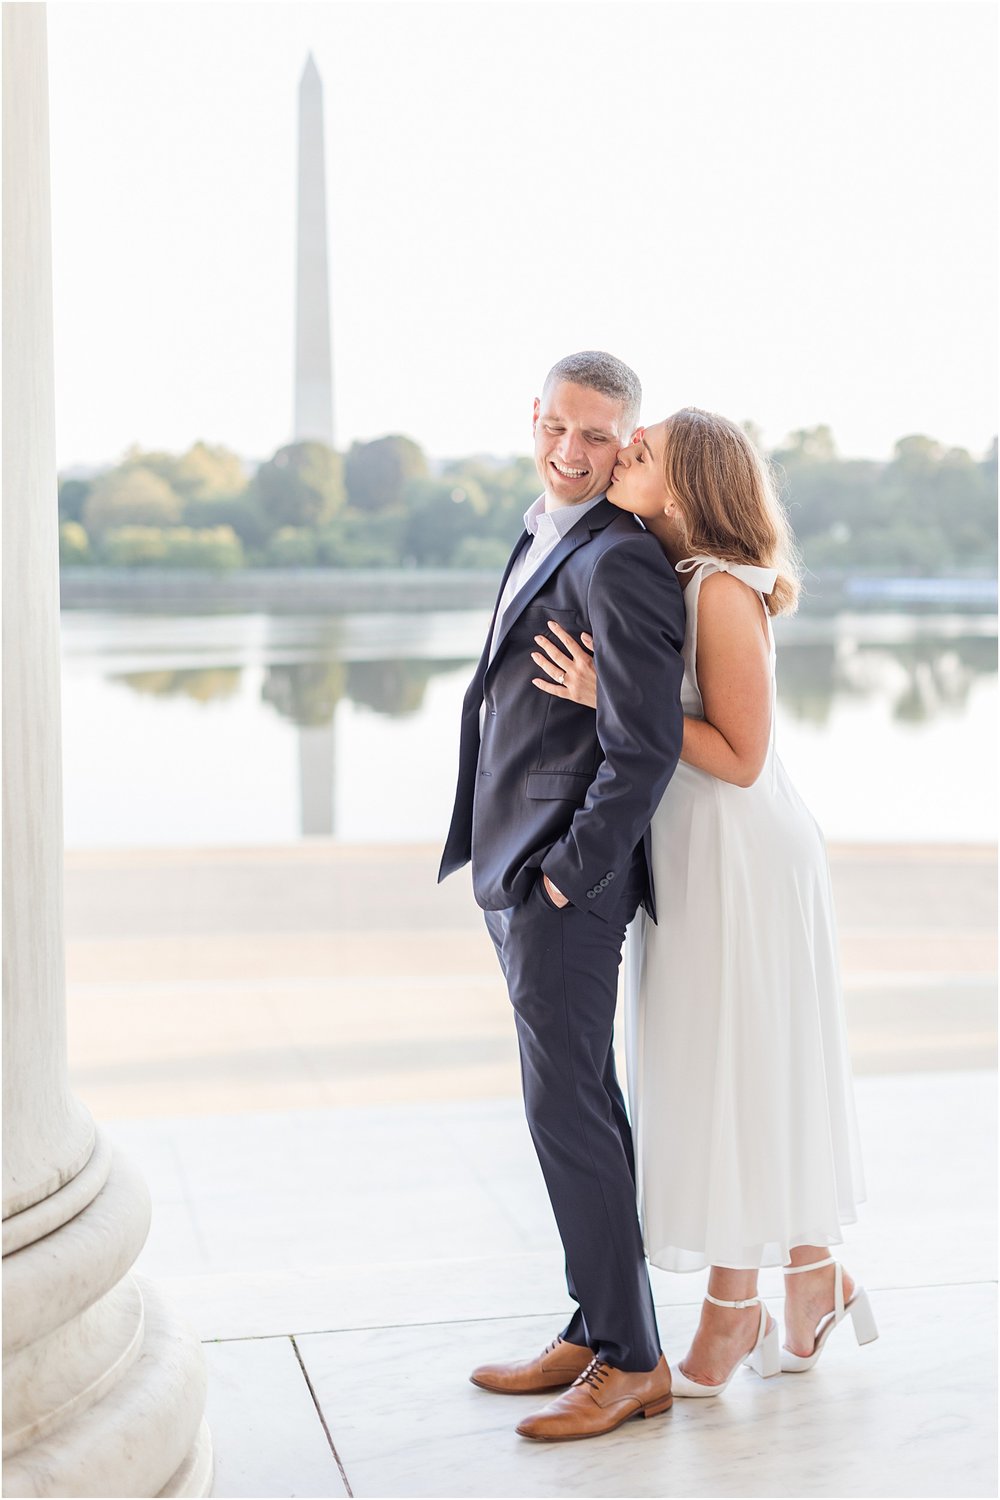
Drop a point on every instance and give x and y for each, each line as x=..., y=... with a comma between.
x=535, y=409
x=638, y=435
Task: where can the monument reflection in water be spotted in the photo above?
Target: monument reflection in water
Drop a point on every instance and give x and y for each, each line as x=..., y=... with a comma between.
x=373, y=702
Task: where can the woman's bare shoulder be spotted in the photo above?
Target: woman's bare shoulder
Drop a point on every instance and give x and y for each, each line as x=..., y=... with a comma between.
x=727, y=604
x=724, y=591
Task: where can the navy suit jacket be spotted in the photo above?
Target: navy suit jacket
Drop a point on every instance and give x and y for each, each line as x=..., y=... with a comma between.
x=552, y=785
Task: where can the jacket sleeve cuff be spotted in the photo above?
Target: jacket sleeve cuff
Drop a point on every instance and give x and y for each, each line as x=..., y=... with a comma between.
x=585, y=897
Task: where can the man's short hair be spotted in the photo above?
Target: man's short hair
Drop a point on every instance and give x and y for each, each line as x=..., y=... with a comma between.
x=601, y=372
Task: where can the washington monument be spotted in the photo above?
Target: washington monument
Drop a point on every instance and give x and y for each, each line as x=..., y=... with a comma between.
x=313, y=377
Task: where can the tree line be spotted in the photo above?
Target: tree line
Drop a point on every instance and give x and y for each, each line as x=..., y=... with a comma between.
x=928, y=510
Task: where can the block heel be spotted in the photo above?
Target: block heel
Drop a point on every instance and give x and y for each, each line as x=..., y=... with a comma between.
x=859, y=1307
x=765, y=1357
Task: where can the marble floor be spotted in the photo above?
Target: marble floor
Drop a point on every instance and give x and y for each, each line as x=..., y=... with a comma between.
x=346, y=1267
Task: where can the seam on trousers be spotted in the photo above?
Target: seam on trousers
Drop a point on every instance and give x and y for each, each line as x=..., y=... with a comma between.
x=583, y=1131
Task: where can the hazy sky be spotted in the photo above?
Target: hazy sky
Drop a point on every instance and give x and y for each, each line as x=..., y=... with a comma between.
x=781, y=211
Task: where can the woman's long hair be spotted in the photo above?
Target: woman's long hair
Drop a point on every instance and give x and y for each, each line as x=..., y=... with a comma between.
x=729, y=501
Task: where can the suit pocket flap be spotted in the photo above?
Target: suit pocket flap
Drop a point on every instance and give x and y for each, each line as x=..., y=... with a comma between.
x=569, y=785
x=563, y=616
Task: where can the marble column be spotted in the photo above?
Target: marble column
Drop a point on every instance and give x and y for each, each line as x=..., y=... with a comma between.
x=313, y=417
x=103, y=1387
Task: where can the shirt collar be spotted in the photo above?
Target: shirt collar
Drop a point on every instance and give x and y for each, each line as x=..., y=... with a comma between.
x=562, y=519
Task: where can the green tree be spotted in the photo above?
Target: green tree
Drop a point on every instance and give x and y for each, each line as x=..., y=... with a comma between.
x=292, y=547
x=356, y=540
x=205, y=473
x=242, y=513
x=509, y=488
x=481, y=552
x=74, y=544
x=377, y=473
x=72, y=495
x=938, y=502
x=302, y=485
x=217, y=548
x=807, y=445
x=134, y=546
x=130, y=495
x=442, y=513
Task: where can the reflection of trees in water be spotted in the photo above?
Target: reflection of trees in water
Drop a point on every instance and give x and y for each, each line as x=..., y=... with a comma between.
x=922, y=679
x=307, y=692
x=940, y=679
x=203, y=684
x=396, y=688
x=806, y=677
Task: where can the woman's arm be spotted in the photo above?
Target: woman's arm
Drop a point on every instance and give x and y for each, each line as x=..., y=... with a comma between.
x=734, y=674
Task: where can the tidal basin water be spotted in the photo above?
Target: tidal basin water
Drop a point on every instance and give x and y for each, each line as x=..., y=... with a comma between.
x=257, y=728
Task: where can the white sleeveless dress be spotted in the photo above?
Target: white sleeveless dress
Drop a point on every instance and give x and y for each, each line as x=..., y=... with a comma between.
x=739, y=1076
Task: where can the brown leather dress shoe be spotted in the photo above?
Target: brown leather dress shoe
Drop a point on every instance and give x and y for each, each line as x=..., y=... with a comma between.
x=559, y=1364
x=599, y=1401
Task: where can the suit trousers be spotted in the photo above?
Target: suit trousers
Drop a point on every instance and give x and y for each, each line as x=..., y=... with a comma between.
x=561, y=967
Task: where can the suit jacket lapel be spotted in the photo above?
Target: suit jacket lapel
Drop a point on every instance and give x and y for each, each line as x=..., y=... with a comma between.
x=484, y=660
x=595, y=520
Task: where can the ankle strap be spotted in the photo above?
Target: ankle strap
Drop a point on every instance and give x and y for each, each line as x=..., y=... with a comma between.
x=814, y=1266
x=718, y=1302
x=838, y=1281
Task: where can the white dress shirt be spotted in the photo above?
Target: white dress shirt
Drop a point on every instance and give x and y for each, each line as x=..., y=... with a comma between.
x=547, y=528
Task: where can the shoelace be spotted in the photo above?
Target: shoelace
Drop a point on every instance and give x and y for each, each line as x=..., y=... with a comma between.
x=595, y=1374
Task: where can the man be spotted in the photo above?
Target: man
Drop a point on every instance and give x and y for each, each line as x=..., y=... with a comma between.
x=553, y=809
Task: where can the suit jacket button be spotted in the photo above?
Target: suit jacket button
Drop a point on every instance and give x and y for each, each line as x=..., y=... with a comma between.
x=486, y=773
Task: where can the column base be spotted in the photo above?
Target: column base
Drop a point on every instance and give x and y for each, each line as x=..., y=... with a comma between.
x=194, y=1477
x=104, y=1386
x=146, y=1436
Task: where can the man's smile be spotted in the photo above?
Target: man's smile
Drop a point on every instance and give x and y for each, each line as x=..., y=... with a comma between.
x=568, y=473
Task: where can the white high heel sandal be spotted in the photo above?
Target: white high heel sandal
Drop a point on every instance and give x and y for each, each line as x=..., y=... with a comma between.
x=860, y=1309
x=764, y=1357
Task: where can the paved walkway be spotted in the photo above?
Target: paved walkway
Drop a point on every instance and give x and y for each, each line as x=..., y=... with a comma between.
x=307, y=1052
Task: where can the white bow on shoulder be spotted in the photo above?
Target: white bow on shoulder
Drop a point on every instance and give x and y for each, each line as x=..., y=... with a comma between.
x=761, y=579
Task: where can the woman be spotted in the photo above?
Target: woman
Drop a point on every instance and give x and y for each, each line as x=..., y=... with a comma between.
x=739, y=1074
